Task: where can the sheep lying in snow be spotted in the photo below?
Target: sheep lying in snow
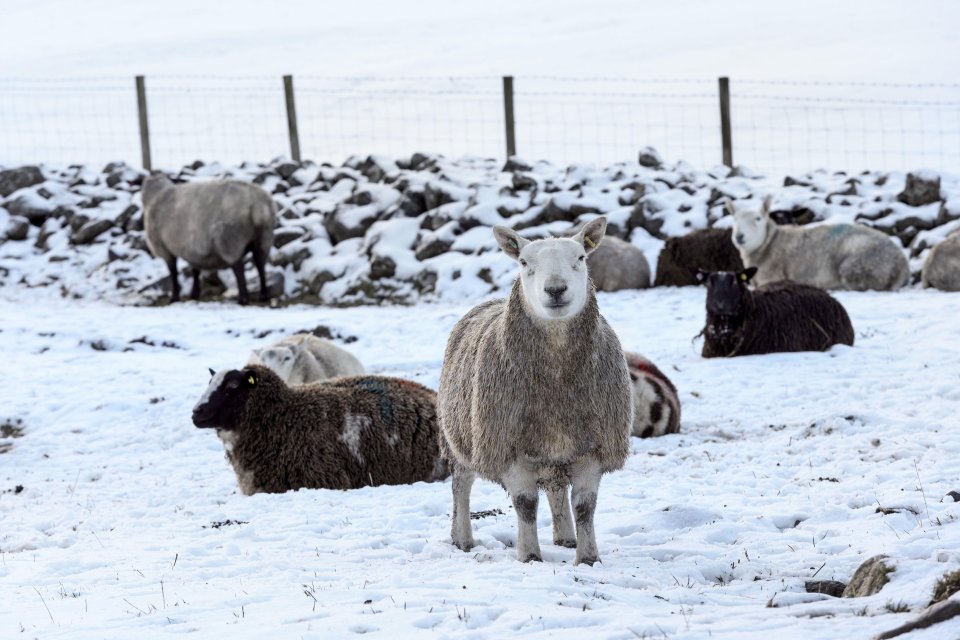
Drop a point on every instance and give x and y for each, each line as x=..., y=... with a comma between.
x=843, y=256
x=656, y=405
x=941, y=269
x=616, y=265
x=534, y=392
x=342, y=434
x=780, y=316
x=303, y=358
x=706, y=249
x=211, y=225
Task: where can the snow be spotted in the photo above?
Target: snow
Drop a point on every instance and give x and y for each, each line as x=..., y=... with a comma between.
x=130, y=521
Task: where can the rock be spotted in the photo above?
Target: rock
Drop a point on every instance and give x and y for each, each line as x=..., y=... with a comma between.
x=17, y=228
x=376, y=169
x=31, y=207
x=425, y=281
x=921, y=188
x=431, y=247
x=345, y=223
x=286, y=235
x=869, y=578
x=123, y=220
x=932, y=615
x=13, y=179
x=319, y=279
x=412, y=204
x=91, y=231
x=827, y=587
x=49, y=227
x=650, y=158
x=294, y=258
x=631, y=193
x=434, y=197
x=77, y=220
x=523, y=182
x=360, y=198
x=552, y=212
x=514, y=164
x=276, y=284
x=382, y=267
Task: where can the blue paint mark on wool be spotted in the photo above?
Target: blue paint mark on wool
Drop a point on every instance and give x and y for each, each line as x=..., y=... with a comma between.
x=838, y=230
x=386, y=406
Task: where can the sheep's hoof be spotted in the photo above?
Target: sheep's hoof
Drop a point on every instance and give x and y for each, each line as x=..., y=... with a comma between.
x=590, y=560
x=532, y=557
x=569, y=543
x=465, y=545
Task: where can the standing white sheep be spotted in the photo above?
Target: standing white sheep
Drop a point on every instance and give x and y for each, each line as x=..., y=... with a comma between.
x=211, y=225
x=841, y=256
x=534, y=393
x=303, y=358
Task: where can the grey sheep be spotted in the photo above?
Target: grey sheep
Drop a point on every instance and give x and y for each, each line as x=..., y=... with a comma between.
x=616, y=265
x=941, y=269
x=303, y=358
x=342, y=434
x=656, y=405
x=707, y=249
x=211, y=225
x=534, y=393
x=777, y=317
x=842, y=256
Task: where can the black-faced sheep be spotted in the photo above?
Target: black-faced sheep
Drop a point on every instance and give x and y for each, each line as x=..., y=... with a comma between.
x=534, y=392
x=941, y=269
x=706, y=249
x=303, y=358
x=656, y=405
x=211, y=225
x=840, y=256
x=780, y=316
x=342, y=434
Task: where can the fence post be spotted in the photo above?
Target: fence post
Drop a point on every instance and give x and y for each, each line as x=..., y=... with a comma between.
x=291, y=118
x=725, y=130
x=508, y=115
x=144, y=123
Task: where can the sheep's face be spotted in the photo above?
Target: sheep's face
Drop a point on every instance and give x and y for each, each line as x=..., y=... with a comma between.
x=751, y=226
x=553, y=272
x=726, y=301
x=280, y=358
x=221, y=405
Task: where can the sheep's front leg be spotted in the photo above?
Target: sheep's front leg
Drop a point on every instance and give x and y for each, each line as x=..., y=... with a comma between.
x=521, y=484
x=460, y=531
x=563, y=534
x=244, y=297
x=174, y=282
x=195, y=292
x=260, y=260
x=585, y=481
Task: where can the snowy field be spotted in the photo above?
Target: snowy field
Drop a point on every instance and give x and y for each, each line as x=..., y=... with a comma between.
x=120, y=519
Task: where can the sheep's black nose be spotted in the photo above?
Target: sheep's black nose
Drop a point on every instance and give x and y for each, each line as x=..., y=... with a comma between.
x=556, y=291
x=739, y=238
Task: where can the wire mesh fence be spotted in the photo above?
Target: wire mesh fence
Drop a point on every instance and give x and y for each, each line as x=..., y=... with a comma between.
x=777, y=126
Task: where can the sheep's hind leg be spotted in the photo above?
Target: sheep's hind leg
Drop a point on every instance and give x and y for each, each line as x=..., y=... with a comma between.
x=521, y=484
x=174, y=282
x=244, y=297
x=563, y=534
x=260, y=260
x=195, y=292
x=460, y=531
x=586, y=483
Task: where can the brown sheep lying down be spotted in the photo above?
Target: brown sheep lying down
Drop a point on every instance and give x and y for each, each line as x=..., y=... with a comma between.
x=345, y=433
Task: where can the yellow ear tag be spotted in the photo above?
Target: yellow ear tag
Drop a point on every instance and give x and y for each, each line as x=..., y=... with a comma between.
x=593, y=245
x=743, y=277
x=252, y=381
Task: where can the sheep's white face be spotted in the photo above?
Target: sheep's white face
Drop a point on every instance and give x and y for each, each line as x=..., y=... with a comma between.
x=280, y=358
x=553, y=272
x=751, y=227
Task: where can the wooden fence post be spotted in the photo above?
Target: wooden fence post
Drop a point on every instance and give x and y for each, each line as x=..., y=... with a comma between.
x=725, y=129
x=508, y=115
x=291, y=118
x=144, y=124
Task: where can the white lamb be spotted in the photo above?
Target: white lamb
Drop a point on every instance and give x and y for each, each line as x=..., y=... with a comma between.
x=303, y=358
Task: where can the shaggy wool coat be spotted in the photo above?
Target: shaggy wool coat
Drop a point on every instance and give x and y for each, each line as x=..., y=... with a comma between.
x=706, y=249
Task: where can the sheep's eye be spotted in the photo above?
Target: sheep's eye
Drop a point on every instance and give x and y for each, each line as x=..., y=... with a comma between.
x=758, y=218
x=582, y=258
x=523, y=262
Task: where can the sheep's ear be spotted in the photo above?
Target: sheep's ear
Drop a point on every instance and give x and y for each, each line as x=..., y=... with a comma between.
x=250, y=378
x=509, y=240
x=212, y=372
x=728, y=206
x=699, y=275
x=765, y=207
x=747, y=274
x=592, y=233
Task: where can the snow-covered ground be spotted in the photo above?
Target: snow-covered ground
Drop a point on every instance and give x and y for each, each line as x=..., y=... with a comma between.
x=121, y=519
